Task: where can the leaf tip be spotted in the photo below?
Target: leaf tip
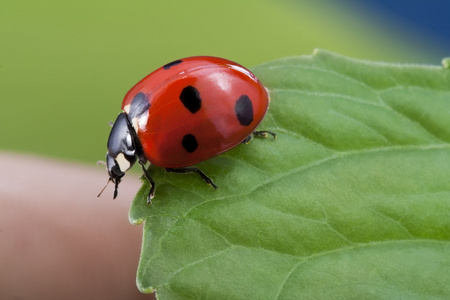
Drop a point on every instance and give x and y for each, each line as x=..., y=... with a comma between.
x=446, y=62
x=135, y=221
x=316, y=51
x=145, y=290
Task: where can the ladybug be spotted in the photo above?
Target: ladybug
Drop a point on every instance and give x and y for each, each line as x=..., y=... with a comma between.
x=183, y=113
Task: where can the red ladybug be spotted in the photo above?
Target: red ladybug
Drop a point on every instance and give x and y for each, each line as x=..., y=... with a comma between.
x=183, y=113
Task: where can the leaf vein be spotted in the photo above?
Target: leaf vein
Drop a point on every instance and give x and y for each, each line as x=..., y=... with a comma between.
x=416, y=121
x=327, y=94
x=340, y=155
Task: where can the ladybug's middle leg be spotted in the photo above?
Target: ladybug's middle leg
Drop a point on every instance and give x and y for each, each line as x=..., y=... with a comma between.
x=192, y=170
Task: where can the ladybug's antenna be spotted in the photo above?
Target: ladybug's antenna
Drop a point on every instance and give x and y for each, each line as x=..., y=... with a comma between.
x=109, y=180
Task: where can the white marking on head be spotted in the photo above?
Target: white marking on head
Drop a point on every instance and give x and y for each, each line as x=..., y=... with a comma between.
x=123, y=163
x=143, y=119
x=139, y=123
x=134, y=123
x=127, y=108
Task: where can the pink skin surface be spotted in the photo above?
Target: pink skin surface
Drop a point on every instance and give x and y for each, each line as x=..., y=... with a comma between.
x=57, y=239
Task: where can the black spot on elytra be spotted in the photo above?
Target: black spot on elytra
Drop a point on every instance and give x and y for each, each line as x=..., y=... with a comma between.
x=190, y=97
x=171, y=64
x=189, y=143
x=244, y=110
x=139, y=105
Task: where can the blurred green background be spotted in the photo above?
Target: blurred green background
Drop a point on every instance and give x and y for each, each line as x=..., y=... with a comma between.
x=66, y=65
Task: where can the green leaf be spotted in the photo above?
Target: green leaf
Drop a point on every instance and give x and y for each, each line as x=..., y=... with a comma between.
x=352, y=200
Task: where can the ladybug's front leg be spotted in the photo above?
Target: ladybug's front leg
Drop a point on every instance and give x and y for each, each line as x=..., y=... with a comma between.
x=262, y=133
x=151, y=194
x=192, y=170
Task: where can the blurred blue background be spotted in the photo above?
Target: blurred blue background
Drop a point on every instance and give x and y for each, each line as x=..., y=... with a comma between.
x=66, y=65
x=417, y=23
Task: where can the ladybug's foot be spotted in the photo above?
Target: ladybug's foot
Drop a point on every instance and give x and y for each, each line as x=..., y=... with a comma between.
x=151, y=194
x=193, y=170
x=262, y=133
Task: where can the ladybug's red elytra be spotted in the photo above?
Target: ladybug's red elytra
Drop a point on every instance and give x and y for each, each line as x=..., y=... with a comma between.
x=184, y=113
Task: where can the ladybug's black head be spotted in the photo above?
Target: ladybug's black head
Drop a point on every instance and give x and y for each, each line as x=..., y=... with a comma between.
x=121, y=154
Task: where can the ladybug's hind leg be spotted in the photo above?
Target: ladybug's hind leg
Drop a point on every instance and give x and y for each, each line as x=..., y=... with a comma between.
x=262, y=133
x=192, y=170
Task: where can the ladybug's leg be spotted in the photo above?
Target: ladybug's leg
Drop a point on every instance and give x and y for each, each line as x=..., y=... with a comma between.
x=193, y=170
x=151, y=194
x=263, y=133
